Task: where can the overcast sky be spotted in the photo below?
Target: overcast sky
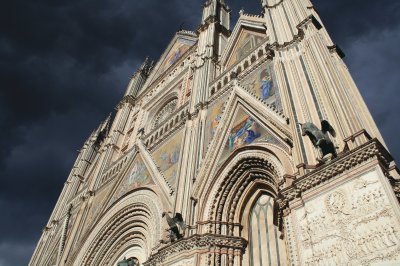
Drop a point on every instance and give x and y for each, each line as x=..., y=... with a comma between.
x=65, y=64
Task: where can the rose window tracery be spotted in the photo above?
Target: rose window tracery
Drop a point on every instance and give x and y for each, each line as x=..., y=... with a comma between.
x=164, y=113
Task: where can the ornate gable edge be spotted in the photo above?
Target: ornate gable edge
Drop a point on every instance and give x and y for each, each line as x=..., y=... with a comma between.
x=180, y=34
x=159, y=179
x=248, y=22
x=154, y=173
x=239, y=98
x=146, y=196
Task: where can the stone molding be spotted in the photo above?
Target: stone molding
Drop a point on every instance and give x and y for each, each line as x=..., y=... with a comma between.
x=197, y=243
x=296, y=186
x=143, y=201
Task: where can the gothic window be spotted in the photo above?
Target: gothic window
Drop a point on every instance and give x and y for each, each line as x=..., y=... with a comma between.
x=265, y=246
x=164, y=113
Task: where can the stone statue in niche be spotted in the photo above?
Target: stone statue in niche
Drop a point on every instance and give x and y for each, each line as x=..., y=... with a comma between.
x=320, y=138
x=176, y=225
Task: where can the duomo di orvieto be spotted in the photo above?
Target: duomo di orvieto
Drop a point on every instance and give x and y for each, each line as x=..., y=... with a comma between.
x=248, y=145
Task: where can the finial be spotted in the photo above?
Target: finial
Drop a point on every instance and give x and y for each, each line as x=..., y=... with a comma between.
x=181, y=26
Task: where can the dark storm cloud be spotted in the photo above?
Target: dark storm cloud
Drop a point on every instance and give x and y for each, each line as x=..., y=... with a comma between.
x=350, y=20
x=65, y=64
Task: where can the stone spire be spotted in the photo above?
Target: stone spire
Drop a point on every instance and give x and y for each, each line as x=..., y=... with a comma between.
x=216, y=11
x=139, y=77
x=213, y=35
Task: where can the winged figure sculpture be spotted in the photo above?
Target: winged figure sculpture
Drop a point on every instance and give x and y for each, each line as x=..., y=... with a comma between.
x=320, y=138
x=176, y=225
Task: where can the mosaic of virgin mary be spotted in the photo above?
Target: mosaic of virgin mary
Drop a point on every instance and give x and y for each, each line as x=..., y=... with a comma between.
x=244, y=133
x=266, y=88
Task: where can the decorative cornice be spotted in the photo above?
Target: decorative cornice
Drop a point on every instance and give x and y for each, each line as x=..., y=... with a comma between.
x=343, y=163
x=336, y=49
x=196, y=242
x=273, y=6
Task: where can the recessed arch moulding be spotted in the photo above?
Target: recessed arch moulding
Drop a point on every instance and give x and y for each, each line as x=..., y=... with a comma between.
x=230, y=194
x=131, y=227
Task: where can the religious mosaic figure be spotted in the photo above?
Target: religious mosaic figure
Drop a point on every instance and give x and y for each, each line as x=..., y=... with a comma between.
x=169, y=159
x=214, y=124
x=266, y=84
x=175, y=56
x=244, y=133
x=138, y=175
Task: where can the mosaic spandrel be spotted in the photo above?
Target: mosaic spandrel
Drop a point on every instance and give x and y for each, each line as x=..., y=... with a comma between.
x=261, y=83
x=138, y=176
x=214, y=116
x=167, y=158
x=177, y=50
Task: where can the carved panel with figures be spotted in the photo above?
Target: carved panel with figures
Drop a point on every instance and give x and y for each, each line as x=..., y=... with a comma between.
x=353, y=224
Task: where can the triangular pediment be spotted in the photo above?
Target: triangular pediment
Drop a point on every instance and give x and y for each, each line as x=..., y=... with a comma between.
x=137, y=176
x=248, y=34
x=139, y=173
x=246, y=126
x=246, y=122
x=244, y=130
x=177, y=48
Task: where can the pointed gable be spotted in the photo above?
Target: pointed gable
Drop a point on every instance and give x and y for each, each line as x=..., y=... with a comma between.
x=179, y=45
x=245, y=130
x=243, y=122
x=248, y=34
x=248, y=40
x=137, y=176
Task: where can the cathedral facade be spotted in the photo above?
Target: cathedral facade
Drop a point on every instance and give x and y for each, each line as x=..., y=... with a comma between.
x=250, y=146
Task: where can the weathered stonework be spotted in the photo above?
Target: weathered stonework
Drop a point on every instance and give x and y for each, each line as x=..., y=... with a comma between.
x=212, y=131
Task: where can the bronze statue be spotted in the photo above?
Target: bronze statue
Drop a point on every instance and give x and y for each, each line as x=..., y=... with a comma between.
x=320, y=138
x=176, y=225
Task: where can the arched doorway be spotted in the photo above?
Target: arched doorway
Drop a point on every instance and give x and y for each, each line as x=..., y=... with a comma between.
x=240, y=203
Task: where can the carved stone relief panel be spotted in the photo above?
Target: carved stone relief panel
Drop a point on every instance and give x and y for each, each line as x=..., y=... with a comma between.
x=353, y=224
x=186, y=262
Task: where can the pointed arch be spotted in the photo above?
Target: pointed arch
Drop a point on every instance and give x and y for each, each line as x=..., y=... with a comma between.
x=133, y=223
x=229, y=208
x=248, y=170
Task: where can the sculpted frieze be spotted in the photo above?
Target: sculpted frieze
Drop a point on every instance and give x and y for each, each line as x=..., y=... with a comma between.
x=195, y=242
x=354, y=224
x=187, y=262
